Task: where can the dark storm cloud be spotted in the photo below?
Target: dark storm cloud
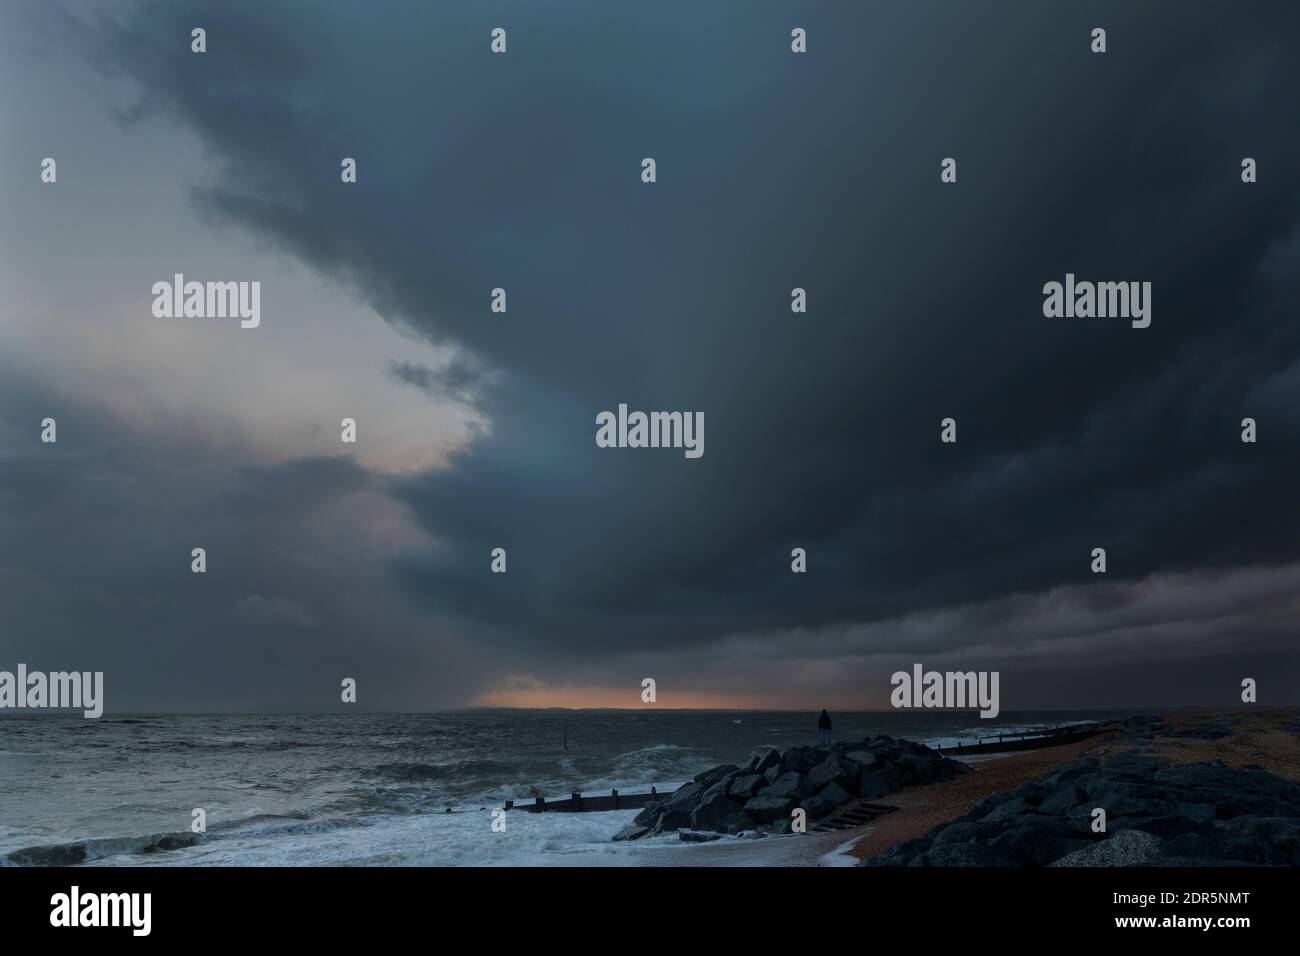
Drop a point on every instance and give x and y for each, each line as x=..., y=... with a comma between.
x=522, y=171
x=290, y=602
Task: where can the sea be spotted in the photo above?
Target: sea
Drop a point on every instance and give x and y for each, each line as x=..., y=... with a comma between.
x=384, y=789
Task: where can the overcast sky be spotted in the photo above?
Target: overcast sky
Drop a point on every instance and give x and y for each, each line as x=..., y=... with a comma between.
x=476, y=430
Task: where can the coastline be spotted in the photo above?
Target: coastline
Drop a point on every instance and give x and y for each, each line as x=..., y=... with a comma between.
x=920, y=809
x=1241, y=740
x=405, y=821
x=1256, y=740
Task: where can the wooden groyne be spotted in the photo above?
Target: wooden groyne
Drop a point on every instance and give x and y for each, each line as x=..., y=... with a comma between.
x=580, y=803
x=1030, y=740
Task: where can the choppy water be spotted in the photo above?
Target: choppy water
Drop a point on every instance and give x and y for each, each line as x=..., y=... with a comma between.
x=373, y=789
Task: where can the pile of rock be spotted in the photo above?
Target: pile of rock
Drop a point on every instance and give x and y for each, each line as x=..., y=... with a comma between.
x=1199, y=814
x=761, y=795
x=1145, y=727
x=1212, y=728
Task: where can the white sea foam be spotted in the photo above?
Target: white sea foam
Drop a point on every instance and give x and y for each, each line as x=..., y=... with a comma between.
x=435, y=839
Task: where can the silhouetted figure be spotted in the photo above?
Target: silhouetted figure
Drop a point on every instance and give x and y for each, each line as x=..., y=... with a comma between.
x=824, y=725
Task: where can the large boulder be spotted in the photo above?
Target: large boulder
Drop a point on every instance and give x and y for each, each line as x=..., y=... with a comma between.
x=687, y=793
x=1264, y=840
x=981, y=808
x=1072, y=772
x=832, y=770
x=677, y=811
x=1191, y=844
x=1124, y=848
x=1140, y=767
x=967, y=832
x=1062, y=800
x=736, y=822
x=674, y=818
x=1009, y=808
x=1102, y=788
x=790, y=784
x=711, y=776
x=1282, y=831
x=1030, y=846
x=1218, y=777
x=1130, y=807
x=744, y=786
x=711, y=811
x=763, y=758
x=960, y=854
x=1166, y=827
x=723, y=786
x=765, y=809
x=650, y=814
x=1198, y=812
x=863, y=758
x=817, y=806
x=835, y=794
x=798, y=759
x=897, y=776
x=872, y=785
x=921, y=768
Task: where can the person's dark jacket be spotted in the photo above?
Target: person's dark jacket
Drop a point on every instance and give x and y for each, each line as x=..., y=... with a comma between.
x=824, y=722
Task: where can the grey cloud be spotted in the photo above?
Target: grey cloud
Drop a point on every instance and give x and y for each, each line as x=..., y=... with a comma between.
x=775, y=171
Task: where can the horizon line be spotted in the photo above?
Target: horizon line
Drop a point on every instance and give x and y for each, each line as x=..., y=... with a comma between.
x=77, y=712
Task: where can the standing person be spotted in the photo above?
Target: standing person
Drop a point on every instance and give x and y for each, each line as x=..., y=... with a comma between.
x=824, y=725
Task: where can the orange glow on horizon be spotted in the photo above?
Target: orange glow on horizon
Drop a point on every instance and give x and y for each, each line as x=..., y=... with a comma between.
x=608, y=698
x=527, y=693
